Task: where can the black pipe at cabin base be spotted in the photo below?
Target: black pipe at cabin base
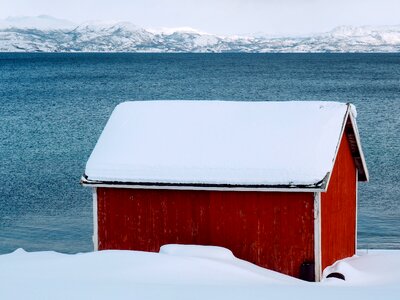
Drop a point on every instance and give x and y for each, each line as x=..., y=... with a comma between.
x=307, y=271
x=336, y=275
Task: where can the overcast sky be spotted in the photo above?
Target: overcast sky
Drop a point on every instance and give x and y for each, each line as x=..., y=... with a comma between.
x=218, y=16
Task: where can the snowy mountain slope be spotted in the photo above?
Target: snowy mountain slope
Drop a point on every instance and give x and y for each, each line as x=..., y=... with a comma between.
x=53, y=35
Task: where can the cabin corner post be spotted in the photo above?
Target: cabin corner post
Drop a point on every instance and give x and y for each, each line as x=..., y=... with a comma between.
x=356, y=225
x=95, y=236
x=317, y=236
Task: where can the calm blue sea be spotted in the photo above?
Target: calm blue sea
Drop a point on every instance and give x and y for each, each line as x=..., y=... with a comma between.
x=53, y=108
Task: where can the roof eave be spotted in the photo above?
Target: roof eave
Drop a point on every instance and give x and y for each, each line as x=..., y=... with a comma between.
x=317, y=187
x=349, y=127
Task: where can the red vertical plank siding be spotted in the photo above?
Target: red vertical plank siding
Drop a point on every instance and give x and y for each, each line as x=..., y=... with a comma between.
x=338, y=209
x=273, y=230
x=147, y=219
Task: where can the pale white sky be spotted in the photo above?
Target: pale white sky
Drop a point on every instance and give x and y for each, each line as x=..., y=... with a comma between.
x=218, y=16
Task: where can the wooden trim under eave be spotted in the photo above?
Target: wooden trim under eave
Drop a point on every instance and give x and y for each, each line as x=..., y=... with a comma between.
x=317, y=236
x=319, y=187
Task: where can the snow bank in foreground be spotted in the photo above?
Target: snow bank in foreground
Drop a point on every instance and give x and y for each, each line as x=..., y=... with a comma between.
x=184, y=273
x=378, y=267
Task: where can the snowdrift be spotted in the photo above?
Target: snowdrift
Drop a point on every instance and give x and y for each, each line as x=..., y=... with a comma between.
x=186, y=272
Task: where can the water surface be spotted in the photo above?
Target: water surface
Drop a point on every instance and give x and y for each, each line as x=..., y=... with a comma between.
x=54, y=107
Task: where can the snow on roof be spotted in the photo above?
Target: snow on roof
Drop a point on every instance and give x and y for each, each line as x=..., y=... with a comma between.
x=219, y=143
x=117, y=274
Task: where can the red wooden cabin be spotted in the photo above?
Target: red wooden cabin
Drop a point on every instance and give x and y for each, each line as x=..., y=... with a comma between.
x=275, y=182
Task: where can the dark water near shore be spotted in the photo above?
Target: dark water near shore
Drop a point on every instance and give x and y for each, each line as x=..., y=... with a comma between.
x=54, y=106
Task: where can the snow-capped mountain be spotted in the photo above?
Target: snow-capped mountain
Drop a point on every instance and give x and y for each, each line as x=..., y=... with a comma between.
x=47, y=34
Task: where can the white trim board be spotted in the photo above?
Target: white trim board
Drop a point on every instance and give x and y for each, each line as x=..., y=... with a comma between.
x=356, y=234
x=317, y=236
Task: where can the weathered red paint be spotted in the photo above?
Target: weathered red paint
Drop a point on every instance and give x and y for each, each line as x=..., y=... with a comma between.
x=338, y=209
x=273, y=230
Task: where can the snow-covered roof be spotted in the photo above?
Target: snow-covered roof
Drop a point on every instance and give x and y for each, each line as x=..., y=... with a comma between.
x=221, y=144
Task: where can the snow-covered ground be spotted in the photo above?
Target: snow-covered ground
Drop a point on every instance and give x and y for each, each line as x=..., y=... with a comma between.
x=186, y=272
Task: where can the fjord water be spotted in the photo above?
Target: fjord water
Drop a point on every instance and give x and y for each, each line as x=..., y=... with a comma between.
x=53, y=108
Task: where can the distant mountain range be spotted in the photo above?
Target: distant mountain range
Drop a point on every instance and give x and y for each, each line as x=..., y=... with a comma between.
x=47, y=34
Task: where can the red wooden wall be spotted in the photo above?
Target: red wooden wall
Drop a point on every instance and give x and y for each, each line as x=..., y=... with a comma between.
x=273, y=230
x=338, y=209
